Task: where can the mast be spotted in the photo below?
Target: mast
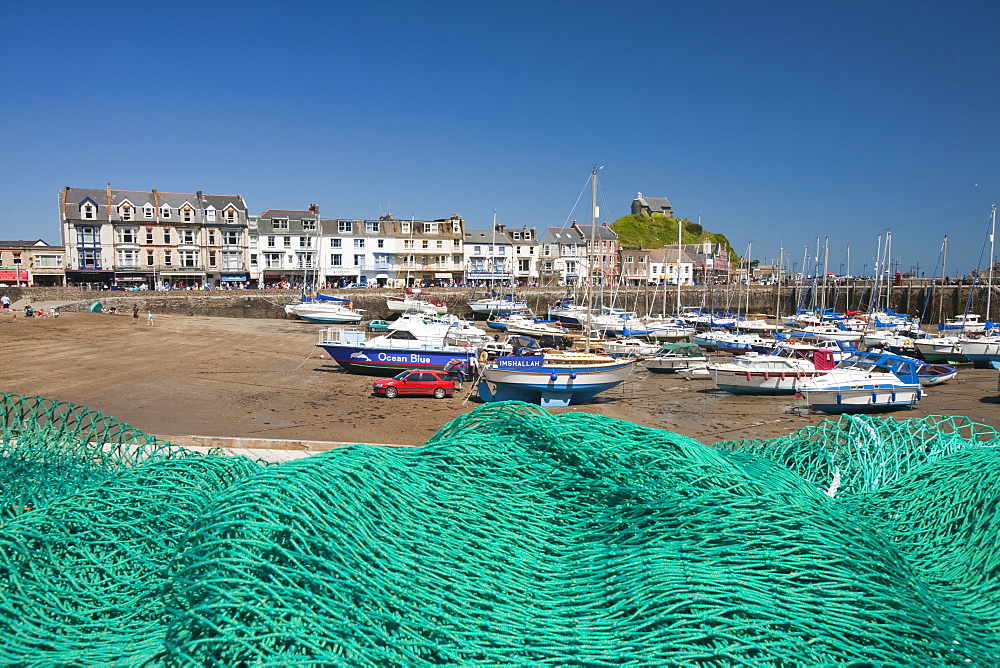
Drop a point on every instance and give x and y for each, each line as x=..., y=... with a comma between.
x=944, y=264
x=989, y=280
x=847, y=279
x=677, y=310
x=826, y=262
x=593, y=234
x=777, y=292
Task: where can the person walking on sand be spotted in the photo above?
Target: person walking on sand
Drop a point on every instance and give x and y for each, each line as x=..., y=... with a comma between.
x=5, y=303
x=135, y=313
x=149, y=319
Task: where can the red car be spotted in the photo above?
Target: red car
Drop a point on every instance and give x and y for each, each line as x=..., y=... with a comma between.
x=416, y=382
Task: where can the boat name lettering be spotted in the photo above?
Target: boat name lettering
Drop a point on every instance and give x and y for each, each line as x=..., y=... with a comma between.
x=534, y=362
x=412, y=358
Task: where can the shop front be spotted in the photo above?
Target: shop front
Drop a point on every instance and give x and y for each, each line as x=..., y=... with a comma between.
x=181, y=280
x=14, y=277
x=99, y=279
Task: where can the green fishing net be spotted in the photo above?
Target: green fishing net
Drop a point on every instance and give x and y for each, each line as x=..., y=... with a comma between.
x=513, y=537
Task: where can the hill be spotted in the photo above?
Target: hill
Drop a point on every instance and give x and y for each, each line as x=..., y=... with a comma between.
x=642, y=231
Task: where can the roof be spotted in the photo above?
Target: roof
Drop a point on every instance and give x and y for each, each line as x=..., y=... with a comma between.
x=597, y=232
x=23, y=244
x=560, y=235
x=655, y=204
x=141, y=198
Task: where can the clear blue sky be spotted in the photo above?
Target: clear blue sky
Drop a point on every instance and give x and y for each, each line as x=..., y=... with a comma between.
x=780, y=122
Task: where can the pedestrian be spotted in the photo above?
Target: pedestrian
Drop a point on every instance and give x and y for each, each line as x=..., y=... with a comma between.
x=135, y=313
x=5, y=303
x=460, y=374
x=149, y=319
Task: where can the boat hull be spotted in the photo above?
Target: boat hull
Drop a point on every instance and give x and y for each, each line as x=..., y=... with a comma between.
x=760, y=382
x=868, y=399
x=551, y=385
x=379, y=361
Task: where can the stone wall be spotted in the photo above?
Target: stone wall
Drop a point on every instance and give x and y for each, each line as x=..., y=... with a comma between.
x=760, y=299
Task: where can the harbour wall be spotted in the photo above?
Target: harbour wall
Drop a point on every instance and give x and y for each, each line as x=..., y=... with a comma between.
x=760, y=299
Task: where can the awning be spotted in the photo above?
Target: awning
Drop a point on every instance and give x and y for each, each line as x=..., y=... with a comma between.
x=442, y=275
x=382, y=276
x=233, y=277
x=13, y=275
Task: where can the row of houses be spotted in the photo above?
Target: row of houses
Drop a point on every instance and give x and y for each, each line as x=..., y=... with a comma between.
x=152, y=239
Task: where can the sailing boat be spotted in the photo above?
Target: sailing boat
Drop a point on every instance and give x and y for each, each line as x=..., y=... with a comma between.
x=983, y=351
x=554, y=378
x=321, y=308
x=497, y=303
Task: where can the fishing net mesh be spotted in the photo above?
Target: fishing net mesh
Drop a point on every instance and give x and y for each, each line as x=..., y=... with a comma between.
x=513, y=536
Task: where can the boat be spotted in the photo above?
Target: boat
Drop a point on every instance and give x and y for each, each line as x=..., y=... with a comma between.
x=967, y=323
x=670, y=329
x=942, y=349
x=900, y=341
x=834, y=332
x=516, y=323
x=418, y=345
x=675, y=356
x=326, y=310
x=725, y=341
x=629, y=347
x=779, y=373
x=864, y=383
x=413, y=301
x=499, y=304
x=981, y=351
x=551, y=378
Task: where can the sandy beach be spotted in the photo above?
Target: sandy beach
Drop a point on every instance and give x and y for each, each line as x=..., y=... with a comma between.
x=264, y=379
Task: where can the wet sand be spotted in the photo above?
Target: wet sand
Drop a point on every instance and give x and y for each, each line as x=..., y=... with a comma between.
x=264, y=379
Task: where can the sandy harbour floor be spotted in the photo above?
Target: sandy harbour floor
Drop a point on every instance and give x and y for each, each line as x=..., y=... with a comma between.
x=264, y=379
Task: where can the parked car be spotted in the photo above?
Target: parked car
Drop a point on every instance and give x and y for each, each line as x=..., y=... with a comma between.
x=377, y=326
x=415, y=382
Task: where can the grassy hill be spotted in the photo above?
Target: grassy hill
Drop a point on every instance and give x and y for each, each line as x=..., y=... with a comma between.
x=657, y=231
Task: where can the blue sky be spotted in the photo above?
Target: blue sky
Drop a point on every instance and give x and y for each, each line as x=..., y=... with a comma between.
x=778, y=122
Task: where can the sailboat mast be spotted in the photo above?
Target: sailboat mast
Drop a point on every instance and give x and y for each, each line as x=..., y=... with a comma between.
x=593, y=234
x=944, y=264
x=677, y=311
x=989, y=281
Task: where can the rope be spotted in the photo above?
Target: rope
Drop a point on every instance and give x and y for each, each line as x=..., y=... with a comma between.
x=512, y=537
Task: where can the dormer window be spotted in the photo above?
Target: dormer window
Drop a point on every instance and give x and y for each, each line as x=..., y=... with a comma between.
x=456, y=227
x=89, y=211
x=210, y=215
x=431, y=228
x=187, y=213
x=405, y=228
x=164, y=211
x=230, y=215
x=279, y=223
x=125, y=212
x=147, y=211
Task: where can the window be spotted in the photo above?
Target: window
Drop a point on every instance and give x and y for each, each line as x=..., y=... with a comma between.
x=305, y=242
x=272, y=260
x=187, y=214
x=89, y=211
x=547, y=249
x=253, y=259
x=211, y=258
x=210, y=215
x=442, y=260
x=425, y=244
x=231, y=260
x=47, y=261
x=126, y=212
x=517, y=250
x=89, y=259
x=149, y=258
x=126, y=235
x=359, y=243
x=359, y=261
x=502, y=250
x=571, y=267
x=149, y=235
x=189, y=236
x=168, y=259
x=456, y=243
x=477, y=250
x=404, y=227
x=147, y=211
x=287, y=242
x=524, y=266
x=407, y=244
x=516, y=236
x=211, y=237
x=430, y=228
x=270, y=241
x=456, y=227
x=189, y=259
x=230, y=215
x=440, y=244
x=345, y=226
x=309, y=224
x=547, y=266
x=373, y=226
x=231, y=238
x=456, y=260
x=164, y=211
x=166, y=236
x=381, y=243
x=279, y=224
x=335, y=243
x=336, y=260
x=628, y=259
x=642, y=260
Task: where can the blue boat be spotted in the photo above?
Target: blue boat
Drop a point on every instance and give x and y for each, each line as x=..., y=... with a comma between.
x=867, y=382
x=394, y=352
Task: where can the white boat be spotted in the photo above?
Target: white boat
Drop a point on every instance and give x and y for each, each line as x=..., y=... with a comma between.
x=499, y=305
x=981, y=351
x=968, y=323
x=629, y=347
x=522, y=324
x=946, y=349
x=668, y=329
x=725, y=341
x=827, y=333
x=899, y=341
x=326, y=310
x=413, y=301
x=673, y=357
x=778, y=373
x=864, y=383
x=427, y=325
